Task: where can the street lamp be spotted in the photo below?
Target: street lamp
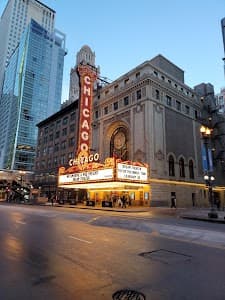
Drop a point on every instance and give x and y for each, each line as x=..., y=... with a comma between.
x=207, y=165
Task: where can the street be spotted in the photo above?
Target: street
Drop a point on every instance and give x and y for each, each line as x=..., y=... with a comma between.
x=59, y=253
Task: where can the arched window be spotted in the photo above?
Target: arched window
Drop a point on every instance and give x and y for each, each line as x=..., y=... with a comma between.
x=171, y=166
x=118, y=144
x=181, y=167
x=191, y=169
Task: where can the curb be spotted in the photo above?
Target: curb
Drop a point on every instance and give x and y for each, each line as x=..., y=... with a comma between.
x=100, y=208
x=218, y=221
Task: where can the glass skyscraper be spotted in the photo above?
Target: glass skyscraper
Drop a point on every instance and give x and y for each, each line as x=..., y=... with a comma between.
x=31, y=92
x=13, y=22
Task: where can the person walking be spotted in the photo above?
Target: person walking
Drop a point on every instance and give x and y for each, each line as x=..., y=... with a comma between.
x=52, y=199
x=120, y=204
x=124, y=200
x=173, y=200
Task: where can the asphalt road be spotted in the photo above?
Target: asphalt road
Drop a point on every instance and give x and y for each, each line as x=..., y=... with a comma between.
x=56, y=253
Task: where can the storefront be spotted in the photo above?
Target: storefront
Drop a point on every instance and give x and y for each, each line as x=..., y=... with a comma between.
x=106, y=183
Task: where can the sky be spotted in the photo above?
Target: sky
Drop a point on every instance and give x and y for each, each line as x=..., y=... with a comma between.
x=125, y=33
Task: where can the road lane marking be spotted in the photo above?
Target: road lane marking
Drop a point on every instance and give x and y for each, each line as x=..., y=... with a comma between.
x=93, y=219
x=81, y=240
x=21, y=222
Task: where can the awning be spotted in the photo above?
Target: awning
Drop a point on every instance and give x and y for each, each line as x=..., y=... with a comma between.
x=109, y=185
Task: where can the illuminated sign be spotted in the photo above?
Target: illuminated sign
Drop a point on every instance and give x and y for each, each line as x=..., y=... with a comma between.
x=84, y=158
x=87, y=176
x=83, y=171
x=131, y=172
x=87, y=78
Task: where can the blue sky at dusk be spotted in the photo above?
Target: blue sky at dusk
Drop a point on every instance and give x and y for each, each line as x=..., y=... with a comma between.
x=126, y=33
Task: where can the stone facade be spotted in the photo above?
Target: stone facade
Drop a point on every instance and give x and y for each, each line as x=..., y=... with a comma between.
x=160, y=117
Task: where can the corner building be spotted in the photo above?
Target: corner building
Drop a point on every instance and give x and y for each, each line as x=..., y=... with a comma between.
x=149, y=115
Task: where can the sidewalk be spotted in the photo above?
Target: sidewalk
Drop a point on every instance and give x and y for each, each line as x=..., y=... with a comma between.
x=200, y=214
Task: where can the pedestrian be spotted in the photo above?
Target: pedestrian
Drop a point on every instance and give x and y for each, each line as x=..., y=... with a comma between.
x=120, y=202
x=124, y=200
x=114, y=200
x=52, y=199
x=173, y=201
x=129, y=200
x=218, y=203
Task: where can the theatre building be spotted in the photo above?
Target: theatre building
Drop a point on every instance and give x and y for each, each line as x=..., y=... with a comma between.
x=139, y=137
x=149, y=115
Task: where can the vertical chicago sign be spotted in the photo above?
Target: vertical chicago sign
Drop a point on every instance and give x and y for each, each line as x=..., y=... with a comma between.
x=87, y=77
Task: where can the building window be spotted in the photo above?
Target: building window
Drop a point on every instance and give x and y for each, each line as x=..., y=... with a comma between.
x=118, y=144
x=138, y=94
x=63, y=159
x=64, y=132
x=106, y=110
x=168, y=100
x=126, y=81
x=196, y=114
x=65, y=120
x=96, y=114
x=181, y=167
x=191, y=169
x=178, y=105
x=56, y=147
x=138, y=75
x=187, y=109
x=57, y=134
x=157, y=95
x=72, y=127
x=155, y=73
x=58, y=123
x=73, y=116
x=52, y=126
x=115, y=105
x=63, y=145
x=126, y=100
x=71, y=141
x=49, y=163
x=171, y=166
x=56, y=161
x=50, y=149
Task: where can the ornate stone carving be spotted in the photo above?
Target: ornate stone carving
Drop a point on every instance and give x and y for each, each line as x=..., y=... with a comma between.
x=159, y=155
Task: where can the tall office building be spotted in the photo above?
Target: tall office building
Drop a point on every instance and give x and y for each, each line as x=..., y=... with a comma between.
x=15, y=18
x=31, y=92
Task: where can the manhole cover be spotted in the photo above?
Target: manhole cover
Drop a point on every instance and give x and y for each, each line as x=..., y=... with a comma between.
x=128, y=295
x=166, y=256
